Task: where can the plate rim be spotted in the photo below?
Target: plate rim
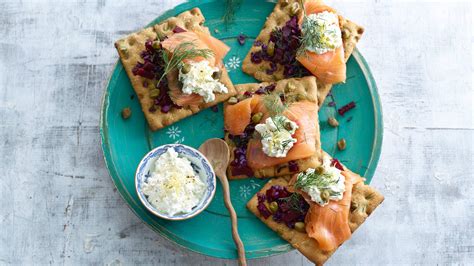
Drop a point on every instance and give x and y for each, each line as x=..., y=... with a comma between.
x=262, y=253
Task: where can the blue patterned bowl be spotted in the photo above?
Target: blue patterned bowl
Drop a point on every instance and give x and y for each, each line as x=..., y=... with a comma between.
x=201, y=166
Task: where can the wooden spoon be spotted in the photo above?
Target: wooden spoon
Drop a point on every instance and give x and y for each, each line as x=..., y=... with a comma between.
x=218, y=153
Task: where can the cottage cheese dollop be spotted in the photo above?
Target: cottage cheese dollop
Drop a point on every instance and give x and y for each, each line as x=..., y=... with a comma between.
x=323, y=32
x=199, y=80
x=322, y=184
x=173, y=186
x=276, y=135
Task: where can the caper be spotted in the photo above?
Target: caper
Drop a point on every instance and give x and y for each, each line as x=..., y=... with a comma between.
x=257, y=117
x=126, y=113
x=325, y=195
x=185, y=68
x=341, y=144
x=241, y=97
x=294, y=9
x=154, y=93
x=290, y=86
x=319, y=170
x=233, y=100
x=271, y=48
x=156, y=45
x=300, y=227
x=333, y=122
x=300, y=97
x=217, y=74
x=274, y=207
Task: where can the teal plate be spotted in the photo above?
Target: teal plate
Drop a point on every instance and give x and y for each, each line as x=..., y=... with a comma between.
x=125, y=142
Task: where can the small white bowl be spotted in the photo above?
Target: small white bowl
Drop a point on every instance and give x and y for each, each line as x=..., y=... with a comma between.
x=201, y=166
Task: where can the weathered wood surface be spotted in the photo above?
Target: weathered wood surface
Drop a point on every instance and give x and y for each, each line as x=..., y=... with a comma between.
x=59, y=206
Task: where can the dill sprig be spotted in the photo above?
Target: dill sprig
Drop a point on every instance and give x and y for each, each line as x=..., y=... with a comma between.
x=274, y=104
x=231, y=7
x=305, y=38
x=320, y=180
x=285, y=143
x=293, y=202
x=185, y=50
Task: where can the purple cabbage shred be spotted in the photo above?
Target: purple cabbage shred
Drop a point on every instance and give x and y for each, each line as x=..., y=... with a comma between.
x=261, y=206
x=285, y=42
x=346, y=108
x=239, y=164
x=335, y=162
x=241, y=39
x=152, y=68
x=292, y=208
x=265, y=90
x=293, y=166
x=178, y=29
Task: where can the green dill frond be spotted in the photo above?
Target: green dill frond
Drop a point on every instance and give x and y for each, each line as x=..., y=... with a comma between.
x=314, y=179
x=285, y=143
x=185, y=50
x=231, y=7
x=293, y=202
x=305, y=38
x=274, y=104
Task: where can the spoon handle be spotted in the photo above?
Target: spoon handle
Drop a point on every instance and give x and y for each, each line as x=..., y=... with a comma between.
x=233, y=217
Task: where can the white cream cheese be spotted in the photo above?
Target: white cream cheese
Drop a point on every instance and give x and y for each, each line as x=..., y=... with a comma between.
x=276, y=135
x=199, y=80
x=173, y=186
x=322, y=184
x=323, y=32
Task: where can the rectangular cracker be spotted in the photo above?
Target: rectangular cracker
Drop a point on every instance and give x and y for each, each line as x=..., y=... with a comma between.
x=129, y=49
x=364, y=201
x=305, y=87
x=280, y=15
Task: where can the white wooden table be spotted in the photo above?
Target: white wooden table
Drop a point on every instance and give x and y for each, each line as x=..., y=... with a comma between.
x=59, y=205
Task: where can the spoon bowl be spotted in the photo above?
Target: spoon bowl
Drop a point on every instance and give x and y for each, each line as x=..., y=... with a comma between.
x=217, y=153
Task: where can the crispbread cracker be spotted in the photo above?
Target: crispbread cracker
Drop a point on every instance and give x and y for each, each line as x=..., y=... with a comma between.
x=129, y=49
x=280, y=15
x=364, y=201
x=304, y=87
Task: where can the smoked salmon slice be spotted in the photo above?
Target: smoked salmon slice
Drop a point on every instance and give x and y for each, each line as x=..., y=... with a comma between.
x=201, y=41
x=304, y=115
x=329, y=225
x=219, y=48
x=237, y=116
x=314, y=7
x=177, y=95
x=329, y=67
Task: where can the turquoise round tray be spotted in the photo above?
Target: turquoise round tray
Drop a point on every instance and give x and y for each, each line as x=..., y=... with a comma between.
x=125, y=142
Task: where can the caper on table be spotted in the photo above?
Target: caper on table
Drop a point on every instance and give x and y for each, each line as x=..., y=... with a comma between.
x=341, y=144
x=333, y=122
